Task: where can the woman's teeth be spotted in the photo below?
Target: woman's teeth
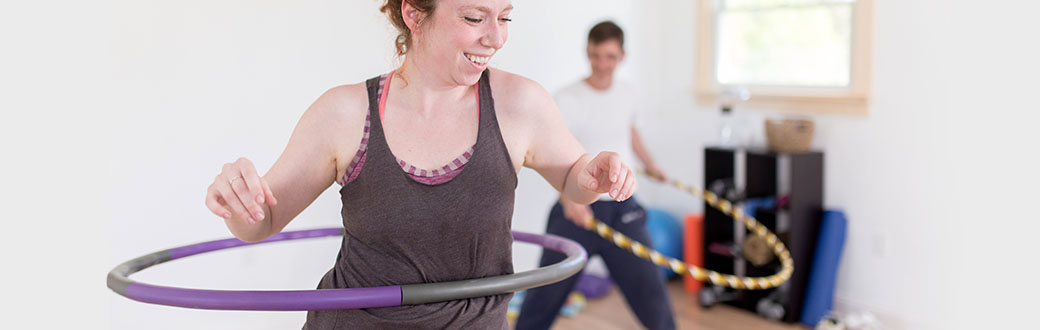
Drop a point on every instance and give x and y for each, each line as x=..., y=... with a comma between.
x=478, y=59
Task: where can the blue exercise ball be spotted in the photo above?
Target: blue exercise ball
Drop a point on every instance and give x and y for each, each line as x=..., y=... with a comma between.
x=666, y=234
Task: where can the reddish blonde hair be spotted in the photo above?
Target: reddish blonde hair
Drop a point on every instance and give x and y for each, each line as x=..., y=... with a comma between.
x=392, y=9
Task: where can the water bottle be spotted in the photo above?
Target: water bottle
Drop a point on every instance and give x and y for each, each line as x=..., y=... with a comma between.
x=729, y=136
x=726, y=124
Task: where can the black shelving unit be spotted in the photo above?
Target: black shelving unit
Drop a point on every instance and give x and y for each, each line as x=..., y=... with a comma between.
x=740, y=175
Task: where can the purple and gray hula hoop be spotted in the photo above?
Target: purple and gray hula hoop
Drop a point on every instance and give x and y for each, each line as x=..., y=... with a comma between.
x=301, y=300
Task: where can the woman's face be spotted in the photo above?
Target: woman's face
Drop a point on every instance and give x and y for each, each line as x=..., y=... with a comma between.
x=460, y=38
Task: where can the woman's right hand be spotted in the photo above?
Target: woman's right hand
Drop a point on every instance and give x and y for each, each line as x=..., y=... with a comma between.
x=580, y=214
x=239, y=192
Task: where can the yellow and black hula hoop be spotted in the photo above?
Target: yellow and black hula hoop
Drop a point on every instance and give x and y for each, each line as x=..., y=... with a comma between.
x=699, y=273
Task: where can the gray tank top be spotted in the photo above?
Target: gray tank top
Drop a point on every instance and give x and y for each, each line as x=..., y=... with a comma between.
x=400, y=231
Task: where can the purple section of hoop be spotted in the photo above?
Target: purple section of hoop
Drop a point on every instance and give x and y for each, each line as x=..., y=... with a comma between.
x=190, y=250
x=263, y=300
x=296, y=300
x=549, y=242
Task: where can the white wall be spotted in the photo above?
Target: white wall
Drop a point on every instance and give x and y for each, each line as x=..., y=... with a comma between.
x=119, y=114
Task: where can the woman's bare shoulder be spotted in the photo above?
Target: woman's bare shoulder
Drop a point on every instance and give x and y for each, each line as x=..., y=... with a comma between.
x=517, y=95
x=339, y=110
x=341, y=102
x=335, y=121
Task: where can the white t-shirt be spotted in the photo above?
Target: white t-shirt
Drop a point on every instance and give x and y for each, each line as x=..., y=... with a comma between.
x=601, y=120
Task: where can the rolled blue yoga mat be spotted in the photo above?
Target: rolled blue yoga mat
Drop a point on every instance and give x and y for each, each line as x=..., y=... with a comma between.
x=819, y=294
x=666, y=235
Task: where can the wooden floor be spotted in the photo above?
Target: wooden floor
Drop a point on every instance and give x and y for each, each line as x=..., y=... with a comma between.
x=611, y=312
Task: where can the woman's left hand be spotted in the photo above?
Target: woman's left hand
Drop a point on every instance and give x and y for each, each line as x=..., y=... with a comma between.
x=606, y=173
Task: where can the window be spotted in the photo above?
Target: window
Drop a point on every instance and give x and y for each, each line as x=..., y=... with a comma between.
x=797, y=55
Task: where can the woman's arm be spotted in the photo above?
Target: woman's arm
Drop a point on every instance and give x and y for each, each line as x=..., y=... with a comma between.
x=306, y=167
x=552, y=151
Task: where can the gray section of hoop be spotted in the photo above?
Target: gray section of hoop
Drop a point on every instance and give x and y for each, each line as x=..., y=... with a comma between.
x=412, y=294
x=117, y=278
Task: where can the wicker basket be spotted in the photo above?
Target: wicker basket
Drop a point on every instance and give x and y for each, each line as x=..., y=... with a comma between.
x=789, y=135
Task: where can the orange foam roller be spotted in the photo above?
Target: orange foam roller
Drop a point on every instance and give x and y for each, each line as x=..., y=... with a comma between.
x=693, y=248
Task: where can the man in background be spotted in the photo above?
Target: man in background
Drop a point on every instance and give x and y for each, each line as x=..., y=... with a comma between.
x=594, y=108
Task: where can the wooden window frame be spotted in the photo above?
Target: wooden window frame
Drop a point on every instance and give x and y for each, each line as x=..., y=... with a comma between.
x=851, y=100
